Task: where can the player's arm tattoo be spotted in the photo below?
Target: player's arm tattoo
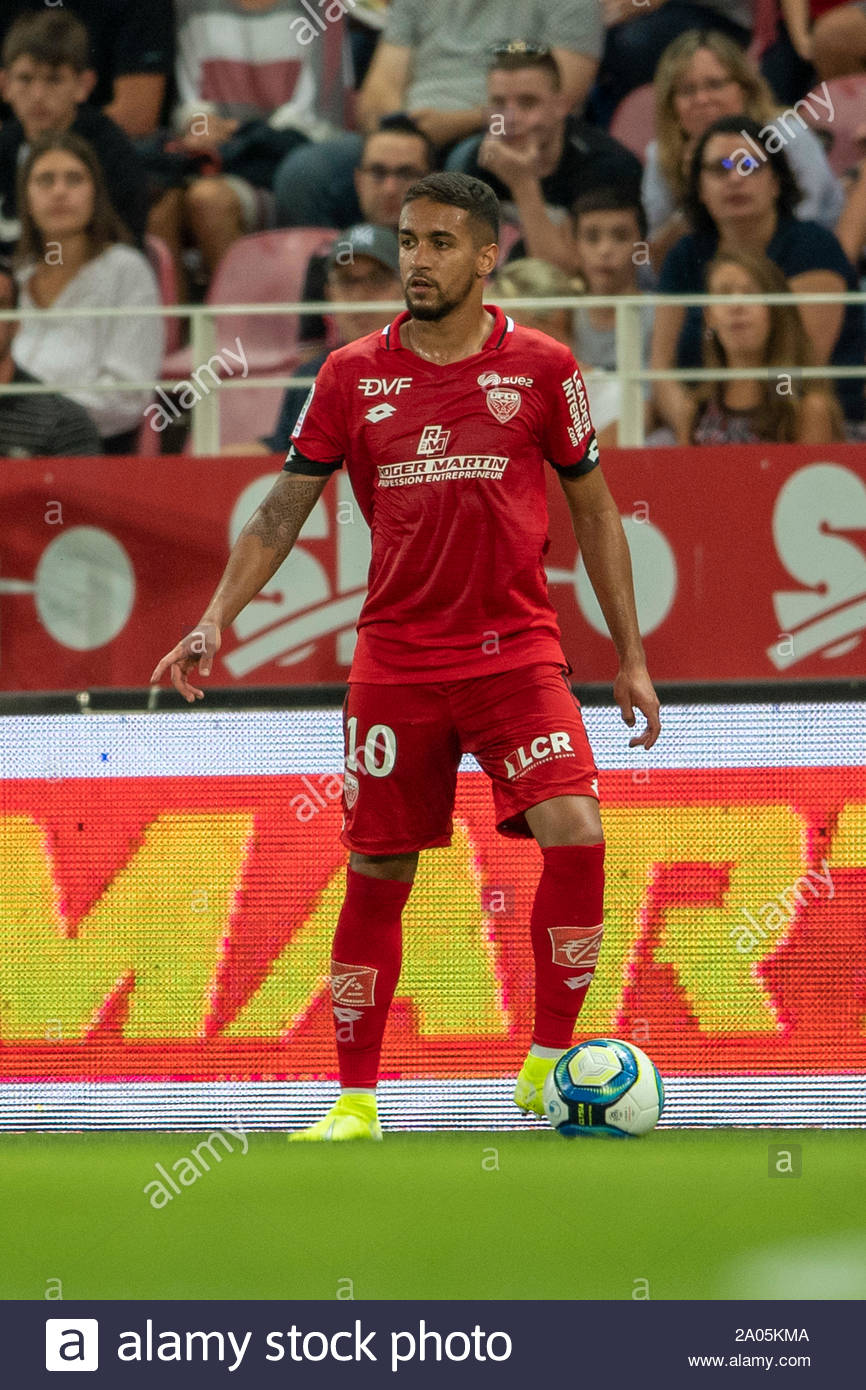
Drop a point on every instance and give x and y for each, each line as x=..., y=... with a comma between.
x=263, y=544
x=279, y=518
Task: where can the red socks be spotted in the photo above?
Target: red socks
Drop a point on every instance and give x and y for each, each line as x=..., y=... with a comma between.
x=566, y=928
x=365, y=967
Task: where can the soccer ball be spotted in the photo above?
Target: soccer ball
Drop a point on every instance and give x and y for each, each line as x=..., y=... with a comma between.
x=603, y=1087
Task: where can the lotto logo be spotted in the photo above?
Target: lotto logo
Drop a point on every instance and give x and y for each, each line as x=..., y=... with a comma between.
x=380, y=412
x=353, y=985
x=434, y=440
x=379, y=386
x=71, y=1344
x=576, y=946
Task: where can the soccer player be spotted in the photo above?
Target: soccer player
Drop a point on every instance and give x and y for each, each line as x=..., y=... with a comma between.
x=445, y=419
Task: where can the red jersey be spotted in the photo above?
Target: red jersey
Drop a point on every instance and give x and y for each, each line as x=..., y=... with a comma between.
x=447, y=465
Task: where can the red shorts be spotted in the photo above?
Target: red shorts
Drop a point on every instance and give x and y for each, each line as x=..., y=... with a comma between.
x=404, y=743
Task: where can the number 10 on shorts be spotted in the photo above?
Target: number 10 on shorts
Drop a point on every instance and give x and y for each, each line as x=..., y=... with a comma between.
x=377, y=755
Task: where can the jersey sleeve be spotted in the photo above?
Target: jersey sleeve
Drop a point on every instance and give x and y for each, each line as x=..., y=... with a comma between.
x=569, y=441
x=319, y=439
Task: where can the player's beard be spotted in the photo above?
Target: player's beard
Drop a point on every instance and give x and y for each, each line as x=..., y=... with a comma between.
x=440, y=307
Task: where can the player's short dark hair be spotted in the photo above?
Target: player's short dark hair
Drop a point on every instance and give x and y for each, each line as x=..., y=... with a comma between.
x=398, y=123
x=789, y=192
x=460, y=191
x=514, y=56
x=611, y=199
x=53, y=37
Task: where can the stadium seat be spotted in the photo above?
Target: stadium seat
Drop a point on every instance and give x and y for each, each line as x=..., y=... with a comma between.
x=163, y=268
x=634, y=120
x=848, y=97
x=248, y=412
x=264, y=268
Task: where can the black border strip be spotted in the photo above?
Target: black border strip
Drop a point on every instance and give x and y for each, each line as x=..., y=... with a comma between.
x=141, y=699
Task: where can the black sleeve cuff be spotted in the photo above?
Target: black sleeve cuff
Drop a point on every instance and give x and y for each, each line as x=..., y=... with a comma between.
x=297, y=462
x=584, y=465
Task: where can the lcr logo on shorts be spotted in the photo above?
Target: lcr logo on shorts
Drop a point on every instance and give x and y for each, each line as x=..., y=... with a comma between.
x=556, y=745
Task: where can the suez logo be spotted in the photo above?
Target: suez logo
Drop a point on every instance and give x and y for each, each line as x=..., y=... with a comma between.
x=503, y=401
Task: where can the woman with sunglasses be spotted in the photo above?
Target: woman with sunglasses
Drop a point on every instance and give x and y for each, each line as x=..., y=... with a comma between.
x=740, y=196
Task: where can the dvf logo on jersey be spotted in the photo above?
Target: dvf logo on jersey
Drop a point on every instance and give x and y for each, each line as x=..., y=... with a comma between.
x=434, y=440
x=576, y=946
x=379, y=386
x=503, y=404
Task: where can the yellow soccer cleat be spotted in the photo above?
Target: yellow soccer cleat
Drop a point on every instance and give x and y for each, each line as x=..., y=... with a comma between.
x=528, y=1093
x=353, y=1117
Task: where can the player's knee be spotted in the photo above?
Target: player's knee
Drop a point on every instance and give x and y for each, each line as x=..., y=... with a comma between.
x=398, y=867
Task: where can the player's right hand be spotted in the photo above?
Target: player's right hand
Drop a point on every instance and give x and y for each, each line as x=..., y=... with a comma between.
x=198, y=648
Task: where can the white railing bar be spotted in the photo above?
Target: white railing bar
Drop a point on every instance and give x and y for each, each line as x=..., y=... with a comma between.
x=322, y=306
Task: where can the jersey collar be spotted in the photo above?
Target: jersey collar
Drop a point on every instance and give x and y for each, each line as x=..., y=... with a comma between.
x=498, y=337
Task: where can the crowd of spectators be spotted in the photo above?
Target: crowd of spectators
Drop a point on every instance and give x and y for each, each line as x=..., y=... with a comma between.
x=134, y=135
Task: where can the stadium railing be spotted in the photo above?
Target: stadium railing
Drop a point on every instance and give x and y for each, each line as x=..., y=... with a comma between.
x=205, y=419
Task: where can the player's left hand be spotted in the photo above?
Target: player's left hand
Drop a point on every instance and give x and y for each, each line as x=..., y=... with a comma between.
x=633, y=689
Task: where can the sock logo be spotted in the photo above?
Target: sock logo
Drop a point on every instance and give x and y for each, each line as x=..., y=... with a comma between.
x=576, y=946
x=577, y=980
x=353, y=985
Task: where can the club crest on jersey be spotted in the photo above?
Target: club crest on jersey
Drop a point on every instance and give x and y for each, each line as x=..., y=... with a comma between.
x=434, y=440
x=503, y=404
x=350, y=789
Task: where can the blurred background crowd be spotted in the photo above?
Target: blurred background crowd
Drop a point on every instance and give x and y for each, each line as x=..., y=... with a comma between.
x=257, y=151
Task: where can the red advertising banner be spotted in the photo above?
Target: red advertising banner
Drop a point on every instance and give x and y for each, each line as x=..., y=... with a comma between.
x=749, y=564
x=179, y=929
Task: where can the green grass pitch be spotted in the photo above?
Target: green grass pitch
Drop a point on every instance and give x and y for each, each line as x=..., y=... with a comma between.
x=678, y=1214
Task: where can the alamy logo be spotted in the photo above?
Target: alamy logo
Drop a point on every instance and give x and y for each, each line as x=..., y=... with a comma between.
x=434, y=440
x=71, y=1344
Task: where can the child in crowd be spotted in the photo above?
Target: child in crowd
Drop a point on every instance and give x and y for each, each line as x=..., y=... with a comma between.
x=610, y=239
x=772, y=405
x=46, y=81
